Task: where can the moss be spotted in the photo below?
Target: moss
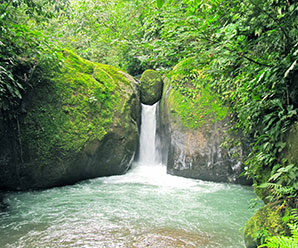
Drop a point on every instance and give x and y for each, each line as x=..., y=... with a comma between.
x=150, y=75
x=116, y=74
x=77, y=62
x=151, y=87
x=267, y=221
x=194, y=112
x=77, y=105
x=191, y=98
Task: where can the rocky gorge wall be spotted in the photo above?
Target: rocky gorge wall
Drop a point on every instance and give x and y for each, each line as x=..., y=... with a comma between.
x=194, y=127
x=196, y=151
x=192, y=133
x=83, y=123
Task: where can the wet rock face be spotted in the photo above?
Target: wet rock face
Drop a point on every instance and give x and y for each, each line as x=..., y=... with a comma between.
x=199, y=155
x=151, y=87
x=81, y=124
x=197, y=152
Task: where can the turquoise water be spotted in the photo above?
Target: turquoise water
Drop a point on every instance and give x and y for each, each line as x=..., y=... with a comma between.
x=144, y=208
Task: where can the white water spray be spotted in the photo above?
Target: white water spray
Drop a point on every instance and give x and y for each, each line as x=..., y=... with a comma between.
x=149, y=168
x=149, y=153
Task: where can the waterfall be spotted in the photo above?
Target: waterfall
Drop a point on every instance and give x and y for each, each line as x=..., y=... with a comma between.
x=150, y=153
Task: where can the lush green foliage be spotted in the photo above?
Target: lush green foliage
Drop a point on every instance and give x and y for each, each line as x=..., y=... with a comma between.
x=247, y=51
x=244, y=50
x=103, y=31
x=283, y=241
x=25, y=49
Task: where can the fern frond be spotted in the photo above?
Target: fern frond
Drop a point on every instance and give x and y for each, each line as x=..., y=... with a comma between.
x=267, y=185
x=294, y=231
x=280, y=242
x=283, y=241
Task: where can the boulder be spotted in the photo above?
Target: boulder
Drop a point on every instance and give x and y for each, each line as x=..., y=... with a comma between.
x=80, y=123
x=151, y=87
x=194, y=130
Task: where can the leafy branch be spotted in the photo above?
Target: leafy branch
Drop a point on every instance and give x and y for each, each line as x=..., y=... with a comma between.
x=5, y=8
x=273, y=18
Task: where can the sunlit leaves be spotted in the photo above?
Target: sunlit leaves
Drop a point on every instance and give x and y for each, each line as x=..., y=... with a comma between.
x=24, y=47
x=160, y=3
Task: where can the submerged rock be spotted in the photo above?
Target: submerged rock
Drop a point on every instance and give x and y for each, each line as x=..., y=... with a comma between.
x=79, y=124
x=151, y=87
x=194, y=130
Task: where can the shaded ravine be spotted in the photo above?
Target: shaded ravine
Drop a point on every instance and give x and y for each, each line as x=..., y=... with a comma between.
x=144, y=208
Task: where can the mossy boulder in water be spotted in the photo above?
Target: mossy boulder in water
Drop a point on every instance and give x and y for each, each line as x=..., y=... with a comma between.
x=151, y=87
x=79, y=124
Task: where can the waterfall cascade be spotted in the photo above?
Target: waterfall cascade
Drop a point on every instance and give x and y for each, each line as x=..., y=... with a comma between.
x=150, y=153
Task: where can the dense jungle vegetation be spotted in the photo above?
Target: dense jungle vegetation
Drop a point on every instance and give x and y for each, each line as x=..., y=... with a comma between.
x=244, y=50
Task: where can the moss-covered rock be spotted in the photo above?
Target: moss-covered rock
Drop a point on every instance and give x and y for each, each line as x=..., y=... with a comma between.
x=198, y=125
x=267, y=221
x=292, y=145
x=80, y=123
x=151, y=87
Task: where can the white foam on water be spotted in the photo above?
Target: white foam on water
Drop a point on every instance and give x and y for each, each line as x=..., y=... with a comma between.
x=149, y=169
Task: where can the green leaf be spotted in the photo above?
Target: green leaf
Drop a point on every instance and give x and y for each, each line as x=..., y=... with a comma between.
x=160, y=3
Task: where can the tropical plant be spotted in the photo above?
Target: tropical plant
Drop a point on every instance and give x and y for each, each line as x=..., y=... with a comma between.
x=24, y=47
